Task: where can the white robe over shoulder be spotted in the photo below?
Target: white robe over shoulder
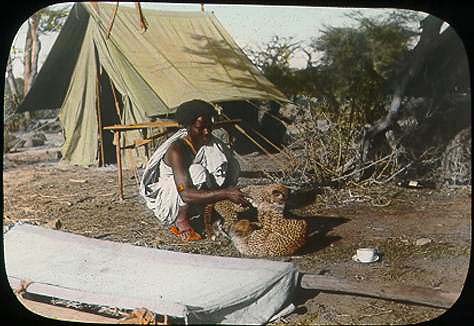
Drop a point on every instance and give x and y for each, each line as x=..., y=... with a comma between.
x=158, y=187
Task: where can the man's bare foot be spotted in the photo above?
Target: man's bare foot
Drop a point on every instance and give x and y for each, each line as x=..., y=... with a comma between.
x=183, y=225
x=183, y=230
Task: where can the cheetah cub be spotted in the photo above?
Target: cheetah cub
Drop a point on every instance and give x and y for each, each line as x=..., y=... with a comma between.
x=276, y=235
x=230, y=213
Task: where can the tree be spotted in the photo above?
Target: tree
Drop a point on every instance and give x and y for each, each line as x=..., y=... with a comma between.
x=402, y=81
x=434, y=71
x=356, y=63
x=44, y=21
x=273, y=59
x=13, y=88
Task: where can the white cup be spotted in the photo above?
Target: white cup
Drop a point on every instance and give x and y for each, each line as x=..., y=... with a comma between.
x=365, y=255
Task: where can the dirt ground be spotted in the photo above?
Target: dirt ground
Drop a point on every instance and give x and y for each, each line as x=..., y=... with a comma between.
x=39, y=190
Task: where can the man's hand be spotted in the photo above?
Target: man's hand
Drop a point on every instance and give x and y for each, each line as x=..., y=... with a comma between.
x=236, y=196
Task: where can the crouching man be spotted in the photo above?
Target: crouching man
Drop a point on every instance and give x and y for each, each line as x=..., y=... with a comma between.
x=189, y=170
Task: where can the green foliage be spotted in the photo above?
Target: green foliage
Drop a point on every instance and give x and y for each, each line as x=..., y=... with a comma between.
x=358, y=63
x=355, y=65
x=274, y=61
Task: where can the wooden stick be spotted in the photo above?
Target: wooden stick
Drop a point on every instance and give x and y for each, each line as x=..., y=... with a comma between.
x=413, y=294
x=99, y=122
x=271, y=115
x=117, y=105
x=243, y=132
x=119, y=162
x=112, y=20
x=141, y=142
x=164, y=124
x=141, y=19
x=271, y=144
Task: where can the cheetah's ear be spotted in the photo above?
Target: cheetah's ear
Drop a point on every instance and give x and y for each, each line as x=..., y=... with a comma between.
x=280, y=190
x=276, y=193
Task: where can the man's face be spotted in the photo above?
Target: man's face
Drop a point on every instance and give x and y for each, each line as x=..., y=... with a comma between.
x=200, y=130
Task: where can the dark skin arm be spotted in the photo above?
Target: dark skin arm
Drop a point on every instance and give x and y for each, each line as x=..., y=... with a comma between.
x=190, y=195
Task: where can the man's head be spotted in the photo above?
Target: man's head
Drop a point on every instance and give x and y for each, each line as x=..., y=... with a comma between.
x=189, y=111
x=197, y=117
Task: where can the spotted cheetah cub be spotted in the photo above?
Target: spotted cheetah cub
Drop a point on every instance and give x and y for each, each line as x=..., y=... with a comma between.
x=276, y=235
x=275, y=194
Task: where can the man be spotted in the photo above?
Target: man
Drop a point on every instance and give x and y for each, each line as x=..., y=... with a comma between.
x=190, y=170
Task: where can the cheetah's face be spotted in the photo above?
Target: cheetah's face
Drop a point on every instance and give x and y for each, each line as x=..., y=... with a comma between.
x=278, y=194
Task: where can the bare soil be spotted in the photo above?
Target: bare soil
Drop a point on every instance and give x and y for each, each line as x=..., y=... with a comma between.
x=38, y=189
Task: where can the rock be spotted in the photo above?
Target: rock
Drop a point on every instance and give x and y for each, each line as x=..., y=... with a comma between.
x=6, y=140
x=456, y=161
x=7, y=163
x=323, y=125
x=37, y=139
x=422, y=241
x=289, y=111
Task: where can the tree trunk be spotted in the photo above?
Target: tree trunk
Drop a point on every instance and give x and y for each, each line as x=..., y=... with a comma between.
x=31, y=53
x=27, y=60
x=429, y=40
x=35, y=46
x=32, y=48
x=12, y=84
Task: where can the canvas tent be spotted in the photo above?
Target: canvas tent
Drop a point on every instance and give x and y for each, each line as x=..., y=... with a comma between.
x=181, y=56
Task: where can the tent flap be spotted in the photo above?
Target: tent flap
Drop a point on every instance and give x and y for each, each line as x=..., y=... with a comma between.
x=50, y=85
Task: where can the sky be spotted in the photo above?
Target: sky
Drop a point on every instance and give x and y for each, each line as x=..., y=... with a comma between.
x=249, y=25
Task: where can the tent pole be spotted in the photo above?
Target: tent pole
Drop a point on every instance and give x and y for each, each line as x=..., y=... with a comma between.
x=112, y=20
x=99, y=122
x=117, y=106
x=270, y=142
x=268, y=113
x=243, y=132
x=141, y=18
x=119, y=161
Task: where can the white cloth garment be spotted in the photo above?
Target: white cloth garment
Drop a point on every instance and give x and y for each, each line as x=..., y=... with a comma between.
x=158, y=187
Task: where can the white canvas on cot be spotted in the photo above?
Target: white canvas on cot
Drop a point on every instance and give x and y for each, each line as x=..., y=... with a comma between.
x=199, y=288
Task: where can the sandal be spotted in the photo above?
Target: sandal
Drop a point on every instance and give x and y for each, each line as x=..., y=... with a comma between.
x=191, y=234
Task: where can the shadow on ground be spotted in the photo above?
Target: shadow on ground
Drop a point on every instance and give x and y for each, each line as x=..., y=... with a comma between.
x=319, y=227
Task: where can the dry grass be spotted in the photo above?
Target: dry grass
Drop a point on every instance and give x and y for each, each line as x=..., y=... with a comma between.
x=326, y=152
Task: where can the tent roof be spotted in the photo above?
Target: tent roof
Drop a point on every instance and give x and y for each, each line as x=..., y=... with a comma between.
x=181, y=56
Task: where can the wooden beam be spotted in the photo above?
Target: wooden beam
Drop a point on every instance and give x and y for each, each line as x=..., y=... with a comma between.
x=119, y=162
x=243, y=132
x=63, y=313
x=99, y=122
x=412, y=294
x=47, y=290
x=271, y=144
x=117, y=105
x=141, y=18
x=111, y=24
x=164, y=124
